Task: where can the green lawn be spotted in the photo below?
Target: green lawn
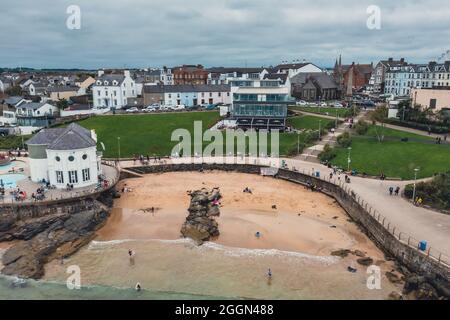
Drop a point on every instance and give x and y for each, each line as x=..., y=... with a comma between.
x=144, y=134
x=395, y=158
x=308, y=122
x=341, y=112
x=150, y=134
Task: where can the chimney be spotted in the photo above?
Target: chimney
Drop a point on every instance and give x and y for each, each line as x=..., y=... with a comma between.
x=126, y=73
x=93, y=135
x=100, y=72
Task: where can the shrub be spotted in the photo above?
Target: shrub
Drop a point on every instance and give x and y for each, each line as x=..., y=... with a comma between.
x=344, y=140
x=12, y=142
x=420, y=126
x=327, y=154
x=361, y=127
x=435, y=193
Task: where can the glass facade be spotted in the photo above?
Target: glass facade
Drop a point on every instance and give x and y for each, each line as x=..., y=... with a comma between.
x=260, y=110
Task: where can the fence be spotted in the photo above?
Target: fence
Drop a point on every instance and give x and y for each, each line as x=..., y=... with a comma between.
x=394, y=230
x=388, y=234
x=58, y=195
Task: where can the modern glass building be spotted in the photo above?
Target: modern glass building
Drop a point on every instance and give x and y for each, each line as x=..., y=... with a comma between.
x=262, y=107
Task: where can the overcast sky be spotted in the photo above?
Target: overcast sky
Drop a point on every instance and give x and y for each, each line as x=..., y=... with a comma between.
x=140, y=33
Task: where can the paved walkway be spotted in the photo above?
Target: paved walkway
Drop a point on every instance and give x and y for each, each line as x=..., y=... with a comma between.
x=417, y=222
x=415, y=131
x=311, y=153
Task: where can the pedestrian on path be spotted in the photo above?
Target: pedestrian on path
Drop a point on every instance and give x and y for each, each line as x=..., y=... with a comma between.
x=397, y=191
x=391, y=190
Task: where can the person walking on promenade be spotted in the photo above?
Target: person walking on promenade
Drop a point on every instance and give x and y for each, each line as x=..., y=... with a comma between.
x=391, y=190
x=397, y=191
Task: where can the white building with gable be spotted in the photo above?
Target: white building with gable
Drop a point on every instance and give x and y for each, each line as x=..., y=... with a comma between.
x=113, y=90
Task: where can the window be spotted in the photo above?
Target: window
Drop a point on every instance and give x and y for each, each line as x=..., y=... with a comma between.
x=57, y=158
x=98, y=92
x=84, y=156
x=71, y=158
x=59, y=177
x=432, y=103
x=73, y=176
x=86, y=175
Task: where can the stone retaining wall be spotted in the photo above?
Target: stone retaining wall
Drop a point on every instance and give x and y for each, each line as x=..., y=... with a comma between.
x=416, y=261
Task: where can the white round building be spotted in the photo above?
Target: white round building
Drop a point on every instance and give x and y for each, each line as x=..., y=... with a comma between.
x=65, y=156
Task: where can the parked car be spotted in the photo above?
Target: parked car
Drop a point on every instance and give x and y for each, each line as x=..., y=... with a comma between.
x=165, y=107
x=150, y=109
x=179, y=107
x=132, y=110
x=211, y=107
x=338, y=105
x=301, y=103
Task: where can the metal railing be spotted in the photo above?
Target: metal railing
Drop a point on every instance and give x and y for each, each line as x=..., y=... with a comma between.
x=395, y=231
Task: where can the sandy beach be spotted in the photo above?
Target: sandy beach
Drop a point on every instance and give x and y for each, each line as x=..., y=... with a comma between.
x=296, y=241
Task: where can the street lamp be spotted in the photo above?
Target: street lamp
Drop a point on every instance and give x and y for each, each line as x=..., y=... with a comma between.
x=348, y=159
x=118, y=147
x=415, y=179
x=319, y=129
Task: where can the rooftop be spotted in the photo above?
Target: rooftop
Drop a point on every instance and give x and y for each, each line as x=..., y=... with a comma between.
x=72, y=137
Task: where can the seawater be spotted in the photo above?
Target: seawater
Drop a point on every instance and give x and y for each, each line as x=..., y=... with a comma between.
x=12, y=288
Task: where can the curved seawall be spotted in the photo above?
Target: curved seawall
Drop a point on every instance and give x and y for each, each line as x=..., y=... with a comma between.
x=394, y=243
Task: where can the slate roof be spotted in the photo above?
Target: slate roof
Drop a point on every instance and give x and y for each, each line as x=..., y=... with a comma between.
x=111, y=77
x=13, y=100
x=238, y=70
x=62, y=89
x=324, y=80
x=275, y=76
x=70, y=138
x=32, y=105
x=187, y=88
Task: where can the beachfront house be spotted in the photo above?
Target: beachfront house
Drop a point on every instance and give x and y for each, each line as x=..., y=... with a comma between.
x=65, y=156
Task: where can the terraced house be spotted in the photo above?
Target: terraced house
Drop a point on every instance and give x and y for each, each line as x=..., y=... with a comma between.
x=113, y=90
x=402, y=80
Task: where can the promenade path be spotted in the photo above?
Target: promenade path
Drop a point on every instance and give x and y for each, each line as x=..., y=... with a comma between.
x=417, y=222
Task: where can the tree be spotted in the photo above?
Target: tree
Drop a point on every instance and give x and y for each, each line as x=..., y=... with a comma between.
x=14, y=91
x=379, y=115
x=62, y=104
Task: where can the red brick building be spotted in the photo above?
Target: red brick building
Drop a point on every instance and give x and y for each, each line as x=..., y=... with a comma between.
x=190, y=74
x=352, y=77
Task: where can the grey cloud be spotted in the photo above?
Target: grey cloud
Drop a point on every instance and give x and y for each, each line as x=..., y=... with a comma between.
x=220, y=32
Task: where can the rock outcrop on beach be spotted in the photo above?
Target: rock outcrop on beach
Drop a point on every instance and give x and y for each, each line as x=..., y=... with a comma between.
x=48, y=237
x=200, y=224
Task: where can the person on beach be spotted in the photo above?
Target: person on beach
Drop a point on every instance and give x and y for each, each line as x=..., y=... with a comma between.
x=258, y=234
x=269, y=274
x=138, y=287
x=131, y=256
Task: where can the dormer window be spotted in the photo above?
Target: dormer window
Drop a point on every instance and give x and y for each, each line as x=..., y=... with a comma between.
x=99, y=82
x=106, y=83
x=115, y=83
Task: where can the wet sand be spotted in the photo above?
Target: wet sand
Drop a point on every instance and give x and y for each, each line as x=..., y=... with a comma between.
x=297, y=239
